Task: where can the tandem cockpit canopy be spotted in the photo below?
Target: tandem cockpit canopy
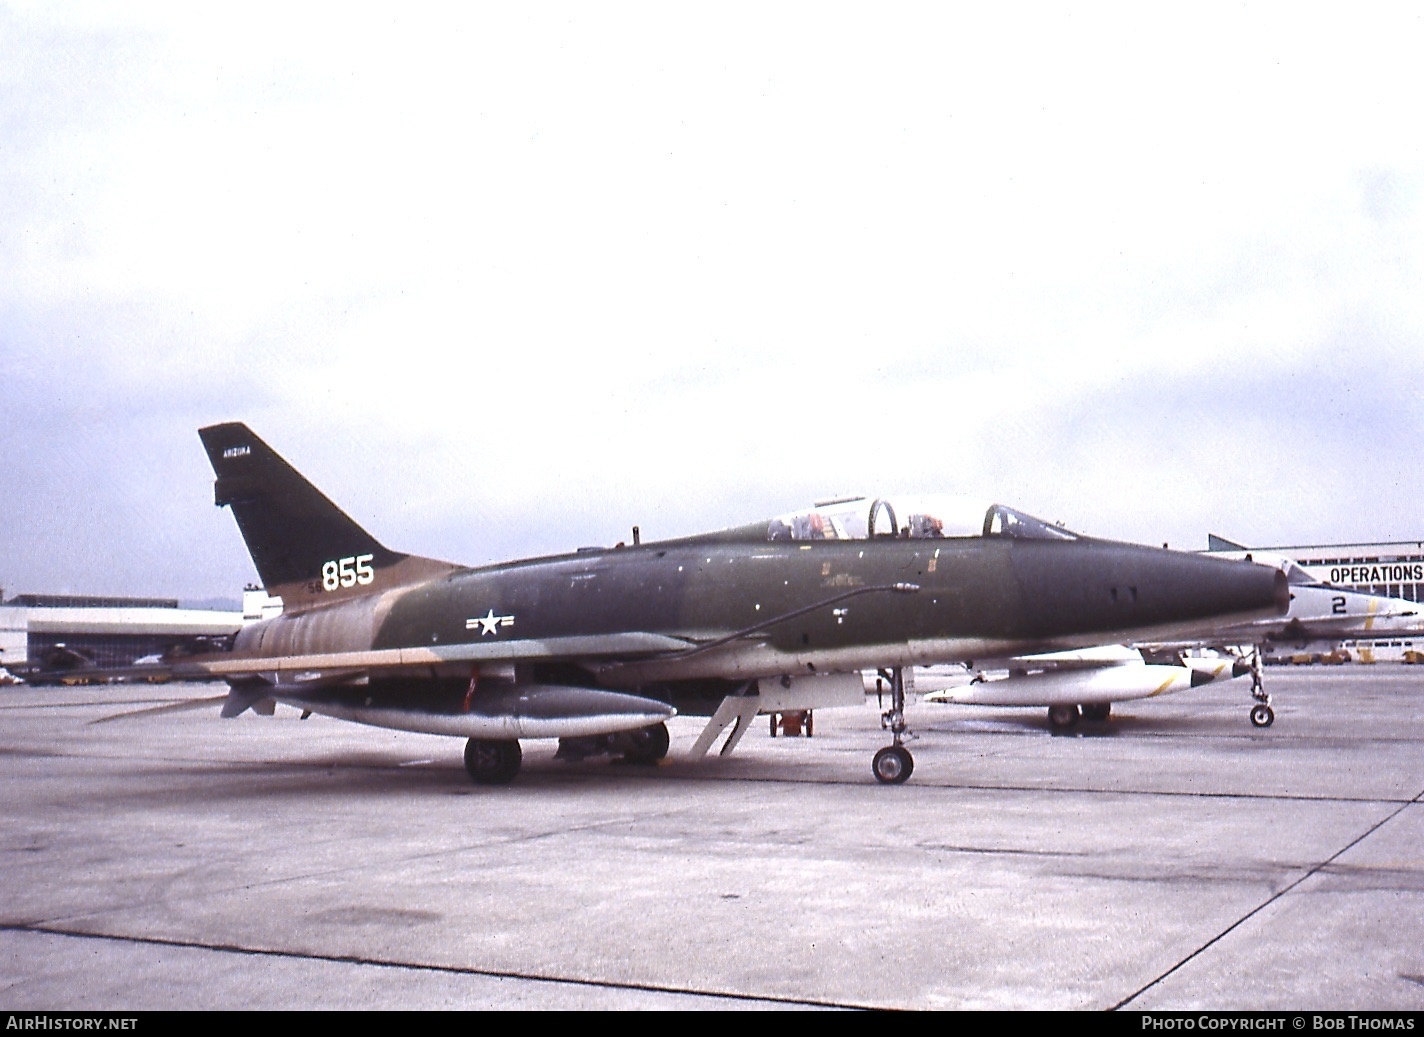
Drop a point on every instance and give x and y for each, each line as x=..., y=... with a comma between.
x=928, y=517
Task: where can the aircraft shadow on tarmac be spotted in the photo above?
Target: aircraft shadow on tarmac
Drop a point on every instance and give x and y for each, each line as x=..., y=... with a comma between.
x=366, y=773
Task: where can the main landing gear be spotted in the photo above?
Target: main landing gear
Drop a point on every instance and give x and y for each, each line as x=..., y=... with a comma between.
x=646, y=745
x=1262, y=715
x=1063, y=717
x=492, y=762
x=894, y=764
x=496, y=761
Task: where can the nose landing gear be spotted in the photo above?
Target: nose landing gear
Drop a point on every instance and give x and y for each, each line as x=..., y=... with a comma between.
x=1262, y=715
x=893, y=765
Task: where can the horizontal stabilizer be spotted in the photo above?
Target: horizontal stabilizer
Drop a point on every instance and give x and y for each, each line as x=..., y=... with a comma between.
x=164, y=710
x=247, y=696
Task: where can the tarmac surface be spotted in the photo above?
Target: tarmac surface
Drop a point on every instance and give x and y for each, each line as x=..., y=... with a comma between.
x=1173, y=857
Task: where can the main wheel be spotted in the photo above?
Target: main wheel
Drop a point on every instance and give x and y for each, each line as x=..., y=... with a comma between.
x=492, y=762
x=647, y=744
x=1061, y=718
x=1263, y=715
x=893, y=765
x=1097, y=711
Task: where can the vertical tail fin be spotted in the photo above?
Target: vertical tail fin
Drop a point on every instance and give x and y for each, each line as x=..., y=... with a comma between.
x=305, y=548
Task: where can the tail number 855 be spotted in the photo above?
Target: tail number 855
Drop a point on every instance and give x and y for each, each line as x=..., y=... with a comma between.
x=347, y=572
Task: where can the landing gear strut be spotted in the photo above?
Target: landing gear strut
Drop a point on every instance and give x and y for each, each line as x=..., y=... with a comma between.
x=894, y=764
x=491, y=762
x=1262, y=715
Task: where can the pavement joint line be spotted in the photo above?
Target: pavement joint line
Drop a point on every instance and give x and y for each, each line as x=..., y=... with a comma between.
x=1314, y=870
x=450, y=970
x=931, y=786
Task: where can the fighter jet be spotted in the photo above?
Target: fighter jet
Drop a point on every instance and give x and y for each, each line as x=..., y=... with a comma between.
x=1322, y=612
x=599, y=647
x=1074, y=684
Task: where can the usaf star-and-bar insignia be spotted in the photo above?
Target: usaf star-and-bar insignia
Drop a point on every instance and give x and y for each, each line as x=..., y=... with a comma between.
x=489, y=624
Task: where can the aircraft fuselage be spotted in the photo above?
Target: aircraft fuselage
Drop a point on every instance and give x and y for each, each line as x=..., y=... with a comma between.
x=975, y=598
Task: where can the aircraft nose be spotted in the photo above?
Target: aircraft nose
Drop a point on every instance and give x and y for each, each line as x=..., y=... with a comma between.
x=1242, y=585
x=1283, y=594
x=1117, y=586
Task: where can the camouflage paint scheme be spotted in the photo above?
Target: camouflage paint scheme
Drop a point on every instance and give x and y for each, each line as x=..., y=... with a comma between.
x=610, y=640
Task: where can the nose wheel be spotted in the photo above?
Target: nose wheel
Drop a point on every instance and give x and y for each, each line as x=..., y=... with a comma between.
x=893, y=765
x=1262, y=715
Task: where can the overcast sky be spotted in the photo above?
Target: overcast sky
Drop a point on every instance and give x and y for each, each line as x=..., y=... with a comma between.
x=506, y=279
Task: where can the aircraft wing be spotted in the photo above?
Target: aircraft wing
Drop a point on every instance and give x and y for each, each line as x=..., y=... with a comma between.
x=1091, y=657
x=1088, y=658
x=345, y=666
x=1332, y=628
x=576, y=647
x=1356, y=620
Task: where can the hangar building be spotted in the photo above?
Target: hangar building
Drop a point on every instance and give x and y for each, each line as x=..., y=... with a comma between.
x=47, y=631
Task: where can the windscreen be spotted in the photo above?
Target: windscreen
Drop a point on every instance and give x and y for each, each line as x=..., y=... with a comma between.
x=1002, y=521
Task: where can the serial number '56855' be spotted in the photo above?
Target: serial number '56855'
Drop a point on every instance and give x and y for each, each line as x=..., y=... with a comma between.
x=347, y=572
